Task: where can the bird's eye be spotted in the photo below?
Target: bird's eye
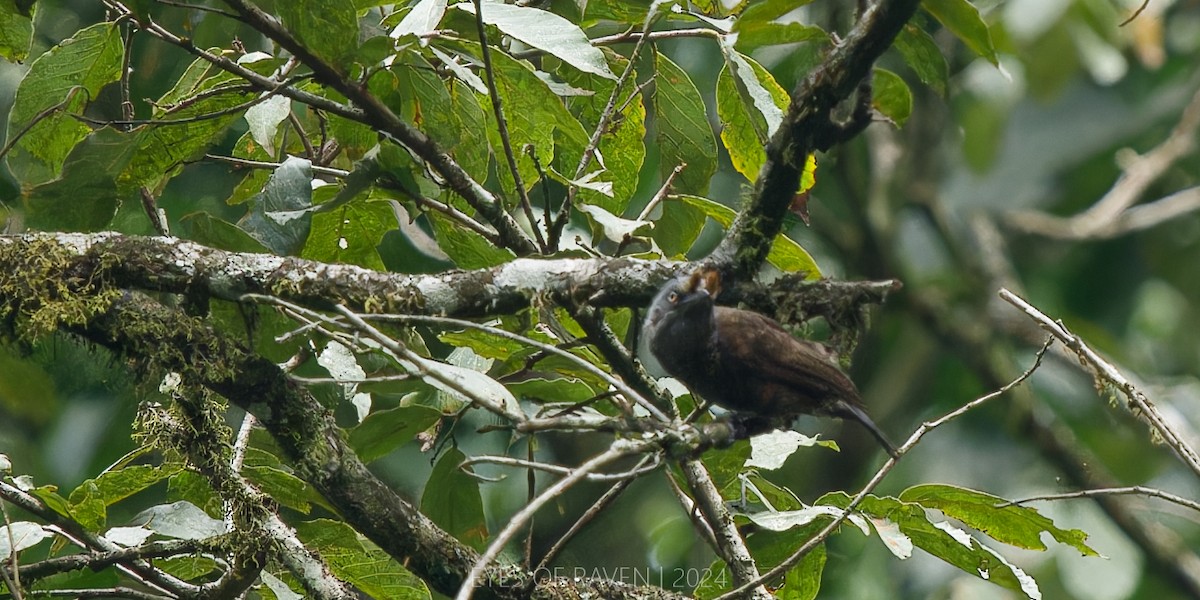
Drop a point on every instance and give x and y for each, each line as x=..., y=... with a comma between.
x=673, y=297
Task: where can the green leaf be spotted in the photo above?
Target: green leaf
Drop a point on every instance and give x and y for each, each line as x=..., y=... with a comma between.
x=941, y=539
x=767, y=11
x=385, y=430
x=48, y=494
x=803, y=582
x=622, y=145
x=283, y=487
x=187, y=568
x=683, y=134
x=85, y=196
x=91, y=498
x=206, y=229
x=1019, y=526
x=467, y=249
x=962, y=18
x=278, y=218
x=483, y=344
x=350, y=234
x=551, y=388
x=452, y=500
x=751, y=36
x=891, y=96
x=426, y=100
x=750, y=105
x=545, y=31
x=16, y=30
x=70, y=74
x=87, y=507
x=471, y=151
x=768, y=548
x=785, y=253
x=536, y=116
x=357, y=561
x=354, y=138
x=194, y=488
x=922, y=54
x=725, y=464
x=189, y=105
x=678, y=227
x=270, y=475
x=328, y=29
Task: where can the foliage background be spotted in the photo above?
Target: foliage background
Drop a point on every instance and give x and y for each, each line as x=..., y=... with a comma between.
x=932, y=203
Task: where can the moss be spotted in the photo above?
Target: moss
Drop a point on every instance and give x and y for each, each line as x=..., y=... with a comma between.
x=45, y=286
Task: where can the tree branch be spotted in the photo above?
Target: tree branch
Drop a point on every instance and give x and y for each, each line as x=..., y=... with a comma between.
x=1103, y=371
x=165, y=338
x=179, y=266
x=807, y=127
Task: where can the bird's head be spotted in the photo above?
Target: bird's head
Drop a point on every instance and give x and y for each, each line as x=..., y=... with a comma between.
x=686, y=296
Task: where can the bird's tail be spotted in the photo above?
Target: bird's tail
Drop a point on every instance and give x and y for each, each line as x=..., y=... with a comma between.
x=847, y=410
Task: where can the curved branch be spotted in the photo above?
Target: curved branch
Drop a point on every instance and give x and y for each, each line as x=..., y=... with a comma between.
x=808, y=127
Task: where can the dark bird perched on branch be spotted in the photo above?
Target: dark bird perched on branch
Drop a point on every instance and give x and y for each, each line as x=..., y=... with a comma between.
x=746, y=362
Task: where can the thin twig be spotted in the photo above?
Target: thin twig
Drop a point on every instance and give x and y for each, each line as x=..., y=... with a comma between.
x=403, y=355
x=1105, y=371
x=616, y=383
x=12, y=575
x=509, y=461
x=224, y=63
x=603, y=502
x=126, y=72
x=502, y=127
x=606, y=115
x=662, y=192
x=113, y=592
x=693, y=511
x=1135, y=14
x=157, y=216
x=43, y=114
x=631, y=35
x=224, y=112
x=447, y=209
x=619, y=449
x=299, y=127
x=530, y=492
x=246, y=163
x=883, y=471
x=199, y=7
x=1104, y=218
x=140, y=570
x=1136, y=490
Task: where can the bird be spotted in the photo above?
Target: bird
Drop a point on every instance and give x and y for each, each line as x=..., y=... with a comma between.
x=746, y=362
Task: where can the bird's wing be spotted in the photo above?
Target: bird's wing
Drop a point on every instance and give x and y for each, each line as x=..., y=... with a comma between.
x=775, y=355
